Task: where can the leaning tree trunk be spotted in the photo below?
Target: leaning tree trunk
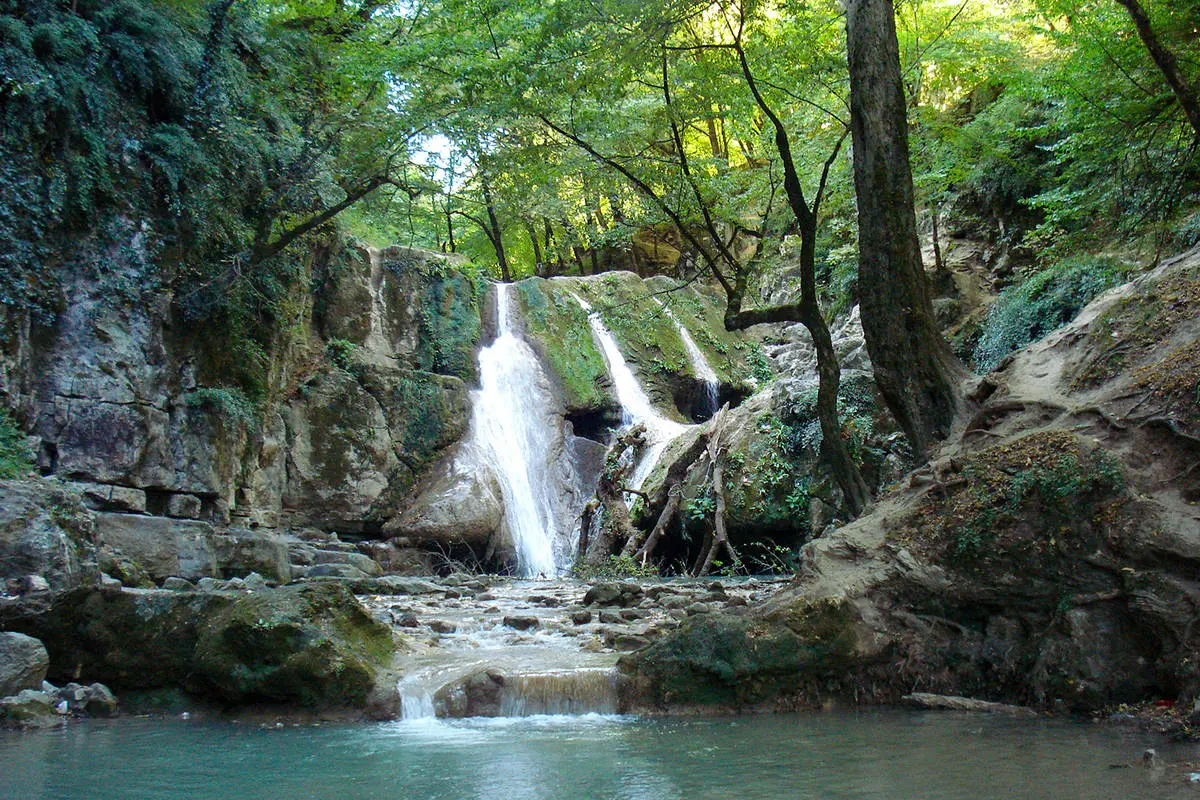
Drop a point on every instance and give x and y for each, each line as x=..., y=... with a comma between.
x=1166, y=62
x=915, y=370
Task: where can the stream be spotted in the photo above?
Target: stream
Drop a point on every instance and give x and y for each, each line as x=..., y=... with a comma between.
x=884, y=754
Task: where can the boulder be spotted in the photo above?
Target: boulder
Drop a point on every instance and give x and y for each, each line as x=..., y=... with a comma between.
x=459, y=505
x=312, y=644
x=23, y=663
x=45, y=530
x=613, y=594
x=521, y=623
x=240, y=552
x=162, y=547
x=31, y=709
x=480, y=694
x=106, y=497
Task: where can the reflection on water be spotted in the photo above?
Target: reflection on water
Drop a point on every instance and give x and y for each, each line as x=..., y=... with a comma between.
x=876, y=754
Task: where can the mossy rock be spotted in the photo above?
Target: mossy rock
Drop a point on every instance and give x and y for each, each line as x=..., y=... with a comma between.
x=736, y=660
x=558, y=329
x=312, y=644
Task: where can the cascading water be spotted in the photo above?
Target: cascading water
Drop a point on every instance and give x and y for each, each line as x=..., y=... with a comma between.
x=704, y=372
x=512, y=434
x=635, y=404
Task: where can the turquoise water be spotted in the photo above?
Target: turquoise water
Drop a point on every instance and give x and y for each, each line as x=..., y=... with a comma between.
x=876, y=754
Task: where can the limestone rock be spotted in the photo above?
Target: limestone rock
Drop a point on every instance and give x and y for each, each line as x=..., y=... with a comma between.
x=105, y=497
x=30, y=709
x=239, y=552
x=23, y=663
x=162, y=547
x=46, y=531
x=311, y=644
x=480, y=694
x=460, y=505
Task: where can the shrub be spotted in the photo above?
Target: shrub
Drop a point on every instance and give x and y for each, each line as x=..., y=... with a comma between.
x=229, y=403
x=15, y=458
x=1041, y=303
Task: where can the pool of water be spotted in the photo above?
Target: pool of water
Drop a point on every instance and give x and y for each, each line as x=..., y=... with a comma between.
x=875, y=754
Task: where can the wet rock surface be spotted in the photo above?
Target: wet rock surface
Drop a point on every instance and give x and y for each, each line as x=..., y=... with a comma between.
x=526, y=646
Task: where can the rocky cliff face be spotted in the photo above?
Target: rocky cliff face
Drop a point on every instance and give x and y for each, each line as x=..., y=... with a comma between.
x=1048, y=556
x=357, y=427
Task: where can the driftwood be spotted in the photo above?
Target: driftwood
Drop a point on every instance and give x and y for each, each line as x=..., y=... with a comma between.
x=720, y=537
x=674, y=498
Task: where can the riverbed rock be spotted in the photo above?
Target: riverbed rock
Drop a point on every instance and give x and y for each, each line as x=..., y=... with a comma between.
x=480, y=694
x=943, y=702
x=161, y=546
x=23, y=663
x=613, y=594
x=310, y=644
x=521, y=623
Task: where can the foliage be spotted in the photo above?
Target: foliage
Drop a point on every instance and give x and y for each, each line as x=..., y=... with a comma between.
x=229, y=402
x=15, y=459
x=341, y=352
x=615, y=567
x=1041, y=303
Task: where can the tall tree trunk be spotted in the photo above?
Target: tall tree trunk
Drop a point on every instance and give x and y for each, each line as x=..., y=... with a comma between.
x=829, y=372
x=497, y=234
x=915, y=370
x=1166, y=62
x=539, y=268
x=210, y=59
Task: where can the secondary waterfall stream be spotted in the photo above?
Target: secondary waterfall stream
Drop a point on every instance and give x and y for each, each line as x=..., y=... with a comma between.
x=635, y=403
x=700, y=366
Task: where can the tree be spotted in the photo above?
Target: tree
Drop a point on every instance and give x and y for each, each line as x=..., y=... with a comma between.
x=917, y=374
x=1166, y=62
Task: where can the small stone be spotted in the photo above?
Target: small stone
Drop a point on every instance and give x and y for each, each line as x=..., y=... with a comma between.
x=698, y=608
x=632, y=614
x=716, y=586
x=610, y=618
x=210, y=585
x=485, y=597
x=441, y=626
x=581, y=617
x=451, y=594
x=408, y=621
x=521, y=623
x=735, y=600
x=177, y=584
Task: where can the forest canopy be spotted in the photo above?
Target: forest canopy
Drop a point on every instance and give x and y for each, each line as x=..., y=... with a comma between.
x=565, y=137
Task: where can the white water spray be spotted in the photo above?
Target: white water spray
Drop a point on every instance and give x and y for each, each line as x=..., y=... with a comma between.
x=511, y=430
x=635, y=404
x=704, y=373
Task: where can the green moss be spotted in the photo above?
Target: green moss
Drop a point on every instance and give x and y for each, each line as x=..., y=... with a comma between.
x=15, y=459
x=450, y=326
x=560, y=329
x=312, y=644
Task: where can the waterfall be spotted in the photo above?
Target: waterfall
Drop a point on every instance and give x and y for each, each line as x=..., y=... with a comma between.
x=635, y=403
x=700, y=366
x=513, y=433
